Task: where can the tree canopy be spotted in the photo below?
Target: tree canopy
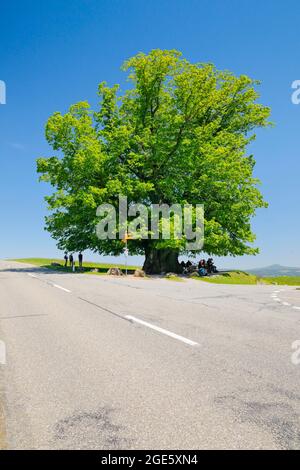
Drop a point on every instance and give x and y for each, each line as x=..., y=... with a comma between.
x=178, y=134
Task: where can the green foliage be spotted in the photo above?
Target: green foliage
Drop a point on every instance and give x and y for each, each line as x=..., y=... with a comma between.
x=178, y=135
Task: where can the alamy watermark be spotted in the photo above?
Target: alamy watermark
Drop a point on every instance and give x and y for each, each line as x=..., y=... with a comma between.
x=2, y=92
x=296, y=94
x=157, y=222
x=295, y=357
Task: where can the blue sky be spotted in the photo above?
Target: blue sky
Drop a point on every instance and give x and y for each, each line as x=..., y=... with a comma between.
x=55, y=52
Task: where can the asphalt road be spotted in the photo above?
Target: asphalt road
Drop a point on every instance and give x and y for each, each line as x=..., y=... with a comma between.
x=94, y=362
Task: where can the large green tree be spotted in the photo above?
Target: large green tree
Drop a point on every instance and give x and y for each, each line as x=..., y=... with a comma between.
x=178, y=134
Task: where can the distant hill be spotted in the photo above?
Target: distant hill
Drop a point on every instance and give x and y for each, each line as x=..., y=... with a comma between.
x=275, y=270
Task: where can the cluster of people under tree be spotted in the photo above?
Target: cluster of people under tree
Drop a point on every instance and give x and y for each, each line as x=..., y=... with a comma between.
x=203, y=268
x=70, y=259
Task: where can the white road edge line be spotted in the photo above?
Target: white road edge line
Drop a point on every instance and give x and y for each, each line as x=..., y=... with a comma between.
x=51, y=284
x=162, y=330
x=62, y=288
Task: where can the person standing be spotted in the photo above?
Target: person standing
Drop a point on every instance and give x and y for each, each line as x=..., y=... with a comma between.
x=66, y=259
x=80, y=259
x=71, y=260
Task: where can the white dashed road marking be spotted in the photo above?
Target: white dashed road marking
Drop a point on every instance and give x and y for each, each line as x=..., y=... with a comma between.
x=61, y=288
x=275, y=297
x=162, y=330
x=50, y=283
x=131, y=318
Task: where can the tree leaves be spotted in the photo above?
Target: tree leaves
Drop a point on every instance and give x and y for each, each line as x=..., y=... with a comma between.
x=179, y=134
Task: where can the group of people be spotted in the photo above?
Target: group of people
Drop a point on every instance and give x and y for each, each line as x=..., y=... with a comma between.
x=206, y=267
x=70, y=259
x=203, y=267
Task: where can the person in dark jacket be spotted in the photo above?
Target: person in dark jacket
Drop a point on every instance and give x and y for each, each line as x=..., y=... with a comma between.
x=211, y=267
x=71, y=260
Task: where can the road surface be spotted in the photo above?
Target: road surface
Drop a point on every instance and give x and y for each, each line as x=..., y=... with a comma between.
x=95, y=362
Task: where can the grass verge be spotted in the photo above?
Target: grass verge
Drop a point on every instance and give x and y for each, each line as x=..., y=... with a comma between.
x=174, y=278
x=230, y=277
x=88, y=266
x=242, y=277
x=284, y=280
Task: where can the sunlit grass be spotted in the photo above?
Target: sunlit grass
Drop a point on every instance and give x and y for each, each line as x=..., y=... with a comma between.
x=174, y=278
x=232, y=277
x=242, y=277
x=285, y=280
x=87, y=265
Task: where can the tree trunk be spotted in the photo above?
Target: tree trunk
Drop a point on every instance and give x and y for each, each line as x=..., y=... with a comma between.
x=161, y=261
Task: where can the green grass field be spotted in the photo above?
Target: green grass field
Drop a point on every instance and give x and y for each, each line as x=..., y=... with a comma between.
x=231, y=277
x=241, y=277
x=284, y=280
x=88, y=265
